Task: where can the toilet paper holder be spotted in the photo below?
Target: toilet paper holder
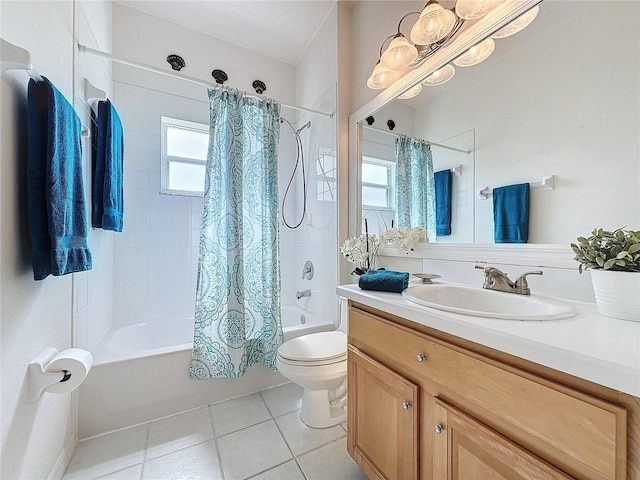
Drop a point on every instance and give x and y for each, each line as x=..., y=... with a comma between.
x=39, y=379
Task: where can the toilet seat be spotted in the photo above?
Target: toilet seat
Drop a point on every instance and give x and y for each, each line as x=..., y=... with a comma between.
x=315, y=349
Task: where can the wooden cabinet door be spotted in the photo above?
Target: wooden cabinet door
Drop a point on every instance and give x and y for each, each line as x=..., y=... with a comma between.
x=382, y=415
x=466, y=449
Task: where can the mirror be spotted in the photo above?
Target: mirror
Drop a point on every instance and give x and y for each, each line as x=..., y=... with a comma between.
x=558, y=99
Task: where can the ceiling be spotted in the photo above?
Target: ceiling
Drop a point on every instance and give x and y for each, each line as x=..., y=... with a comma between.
x=278, y=29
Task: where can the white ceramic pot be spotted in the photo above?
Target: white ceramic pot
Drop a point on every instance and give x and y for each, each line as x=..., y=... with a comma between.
x=617, y=293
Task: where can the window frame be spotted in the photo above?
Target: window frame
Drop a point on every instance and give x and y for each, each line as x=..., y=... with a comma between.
x=390, y=186
x=165, y=159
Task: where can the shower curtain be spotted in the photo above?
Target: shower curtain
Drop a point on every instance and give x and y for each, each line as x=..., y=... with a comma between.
x=237, y=313
x=415, y=186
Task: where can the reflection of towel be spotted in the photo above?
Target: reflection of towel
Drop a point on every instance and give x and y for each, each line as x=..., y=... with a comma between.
x=384, y=281
x=55, y=184
x=443, y=202
x=511, y=213
x=107, y=155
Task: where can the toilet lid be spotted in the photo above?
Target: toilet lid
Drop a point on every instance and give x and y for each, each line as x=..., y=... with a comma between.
x=315, y=346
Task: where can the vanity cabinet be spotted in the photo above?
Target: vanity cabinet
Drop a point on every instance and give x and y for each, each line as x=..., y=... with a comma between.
x=426, y=406
x=383, y=436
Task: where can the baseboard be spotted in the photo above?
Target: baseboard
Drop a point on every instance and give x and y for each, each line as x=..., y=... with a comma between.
x=60, y=467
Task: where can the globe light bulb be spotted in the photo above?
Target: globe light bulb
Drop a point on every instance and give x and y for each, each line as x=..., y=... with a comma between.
x=434, y=24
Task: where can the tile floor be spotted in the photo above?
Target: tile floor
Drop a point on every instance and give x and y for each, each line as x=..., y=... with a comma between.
x=258, y=436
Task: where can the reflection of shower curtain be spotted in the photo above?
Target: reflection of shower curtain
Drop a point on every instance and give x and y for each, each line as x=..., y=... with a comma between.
x=415, y=187
x=237, y=315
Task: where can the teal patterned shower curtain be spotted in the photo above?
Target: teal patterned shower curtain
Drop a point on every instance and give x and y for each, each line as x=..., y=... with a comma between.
x=415, y=186
x=237, y=314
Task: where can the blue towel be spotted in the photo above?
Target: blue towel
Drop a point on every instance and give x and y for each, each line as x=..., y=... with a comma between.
x=443, y=202
x=384, y=281
x=511, y=213
x=55, y=184
x=107, y=157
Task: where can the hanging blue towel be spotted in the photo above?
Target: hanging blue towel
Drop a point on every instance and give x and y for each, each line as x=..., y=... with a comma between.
x=55, y=184
x=107, y=157
x=443, y=202
x=384, y=281
x=511, y=213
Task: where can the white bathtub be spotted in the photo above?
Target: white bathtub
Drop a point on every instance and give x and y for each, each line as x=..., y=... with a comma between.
x=141, y=372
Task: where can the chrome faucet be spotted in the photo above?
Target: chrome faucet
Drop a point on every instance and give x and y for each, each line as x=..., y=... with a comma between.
x=495, y=279
x=304, y=293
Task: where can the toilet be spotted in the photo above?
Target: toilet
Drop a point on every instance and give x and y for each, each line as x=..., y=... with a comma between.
x=318, y=363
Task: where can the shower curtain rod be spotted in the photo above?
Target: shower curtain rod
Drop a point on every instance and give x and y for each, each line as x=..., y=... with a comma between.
x=429, y=142
x=114, y=58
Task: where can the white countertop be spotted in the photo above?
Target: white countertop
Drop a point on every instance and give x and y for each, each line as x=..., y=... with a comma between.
x=602, y=350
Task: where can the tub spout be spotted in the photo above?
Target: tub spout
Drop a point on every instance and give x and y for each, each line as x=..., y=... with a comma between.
x=304, y=293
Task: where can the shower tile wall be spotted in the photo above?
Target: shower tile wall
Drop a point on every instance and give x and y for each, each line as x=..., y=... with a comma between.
x=155, y=262
x=156, y=257
x=316, y=239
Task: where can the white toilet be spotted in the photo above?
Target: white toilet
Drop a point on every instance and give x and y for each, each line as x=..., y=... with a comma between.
x=318, y=363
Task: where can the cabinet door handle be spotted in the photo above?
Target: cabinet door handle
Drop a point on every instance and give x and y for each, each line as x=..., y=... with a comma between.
x=406, y=405
x=438, y=429
x=421, y=357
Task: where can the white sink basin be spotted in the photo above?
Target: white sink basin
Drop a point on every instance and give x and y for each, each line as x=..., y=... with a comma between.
x=479, y=302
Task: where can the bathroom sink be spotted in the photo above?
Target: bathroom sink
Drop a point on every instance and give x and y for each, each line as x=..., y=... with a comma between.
x=479, y=302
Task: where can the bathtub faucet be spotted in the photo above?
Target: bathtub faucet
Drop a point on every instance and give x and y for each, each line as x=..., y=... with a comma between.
x=304, y=293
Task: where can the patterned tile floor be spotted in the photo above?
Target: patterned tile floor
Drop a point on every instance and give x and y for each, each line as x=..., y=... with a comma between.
x=258, y=436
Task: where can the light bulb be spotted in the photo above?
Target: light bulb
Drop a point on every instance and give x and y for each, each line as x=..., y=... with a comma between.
x=400, y=53
x=518, y=24
x=434, y=24
x=476, y=54
x=473, y=9
x=412, y=92
x=381, y=77
x=440, y=76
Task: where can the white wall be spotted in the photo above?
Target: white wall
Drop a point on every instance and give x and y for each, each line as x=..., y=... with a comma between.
x=38, y=438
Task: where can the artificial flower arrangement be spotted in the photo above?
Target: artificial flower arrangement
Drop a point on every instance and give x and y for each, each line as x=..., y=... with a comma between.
x=363, y=250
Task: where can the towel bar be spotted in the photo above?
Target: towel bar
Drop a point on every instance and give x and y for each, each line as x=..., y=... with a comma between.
x=547, y=183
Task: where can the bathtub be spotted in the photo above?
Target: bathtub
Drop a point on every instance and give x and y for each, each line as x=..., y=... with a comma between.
x=141, y=372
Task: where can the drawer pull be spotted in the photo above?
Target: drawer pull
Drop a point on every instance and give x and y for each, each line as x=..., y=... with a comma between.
x=438, y=429
x=421, y=357
x=406, y=405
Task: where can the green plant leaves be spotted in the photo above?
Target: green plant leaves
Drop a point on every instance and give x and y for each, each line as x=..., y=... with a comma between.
x=618, y=250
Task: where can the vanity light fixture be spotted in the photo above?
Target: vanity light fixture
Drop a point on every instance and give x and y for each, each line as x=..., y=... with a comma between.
x=436, y=27
x=476, y=54
x=518, y=24
x=440, y=76
x=381, y=77
x=400, y=53
x=473, y=9
x=412, y=92
x=434, y=24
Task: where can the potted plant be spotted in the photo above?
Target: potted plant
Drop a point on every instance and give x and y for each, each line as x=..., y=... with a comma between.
x=614, y=261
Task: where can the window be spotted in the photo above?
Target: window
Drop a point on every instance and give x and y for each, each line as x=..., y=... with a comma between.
x=183, y=156
x=377, y=183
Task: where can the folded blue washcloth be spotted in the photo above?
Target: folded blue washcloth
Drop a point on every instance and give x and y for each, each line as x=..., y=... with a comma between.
x=107, y=158
x=384, y=281
x=443, y=202
x=511, y=213
x=55, y=184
